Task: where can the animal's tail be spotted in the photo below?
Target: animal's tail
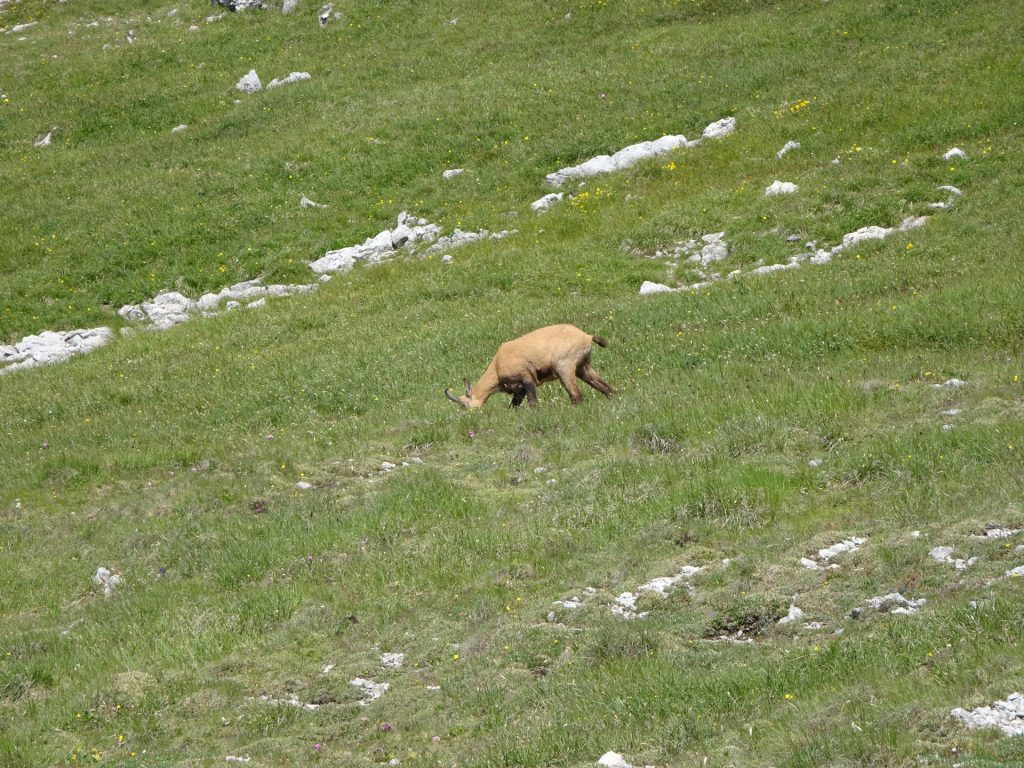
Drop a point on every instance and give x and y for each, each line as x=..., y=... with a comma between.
x=601, y=341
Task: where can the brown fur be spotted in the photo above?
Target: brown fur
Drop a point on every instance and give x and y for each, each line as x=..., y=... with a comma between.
x=554, y=352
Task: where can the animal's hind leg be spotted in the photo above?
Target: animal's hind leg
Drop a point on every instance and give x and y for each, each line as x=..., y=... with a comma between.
x=589, y=375
x=569, y=382
x=531, y=392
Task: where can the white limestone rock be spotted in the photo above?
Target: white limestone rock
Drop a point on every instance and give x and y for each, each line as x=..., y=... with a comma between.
x=648, y=287
x=720, y=128
x=954, y=154
x=621, y=160
x=780, y=188
x=107, y=580
x=788, y=147
x=625, y=603
x=371, y=690
x=795, y=614
x=451, y=173
x=51, y=347
x=249, y=83
x=894, y=602
x=945, y=555
x=714, y=249
x=544, y=203
x=392, y=660
x=294, y=77
x=1007, y=715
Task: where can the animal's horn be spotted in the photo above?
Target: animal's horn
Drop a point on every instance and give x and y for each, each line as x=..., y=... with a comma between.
x=469, y=389
x=450, y=396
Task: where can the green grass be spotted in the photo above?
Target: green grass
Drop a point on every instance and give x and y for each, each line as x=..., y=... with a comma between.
x=172, y=458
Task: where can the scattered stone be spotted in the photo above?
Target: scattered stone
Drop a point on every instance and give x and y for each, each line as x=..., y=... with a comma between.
x=392, y=660
x=780, y=188
x=459, y=238
x=945, y=555
x=446, y=259
x=106, y=579
x=325, y=14
x=953, y=384
x=168, y=309
x=814, y=463
x=824, y=555
x=288, y=6
x=380, y=247
x=179, y=128
x=624, y=158
x=544, y=203
x=570, y=603
x=386, y=466
x=793, y=263
x=303, y=485
x=625, y=603
x=21, y=27
x=953, y=194
x=714, y=249
x=851, y=544
x=613, y=760
x=795, y=614
x=952, y=412
x=305, y=202
x=1018, y=571
x=240, y=5
x=635, y=153
x=995, y=532
x=249, y=83
x=1007, y=716
x=894, y=602
x=451, y=173
x=45, y=139
x=294, y=77
x=237, y=759
x=291, y=701
x=51, y=347
x=647, y=288
x=954, y=153
x=720, y=128
x=787, y=147
x=372, y=690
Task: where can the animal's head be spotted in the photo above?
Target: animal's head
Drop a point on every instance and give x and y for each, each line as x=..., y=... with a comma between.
x=466, y=400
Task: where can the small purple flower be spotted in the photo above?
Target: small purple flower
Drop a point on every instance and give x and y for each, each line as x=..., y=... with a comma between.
x=471, y=434
x=161, y=570
x=385, y=727
x=317, y=746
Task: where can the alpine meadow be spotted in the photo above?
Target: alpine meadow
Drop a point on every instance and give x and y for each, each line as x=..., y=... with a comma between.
x=244, y=252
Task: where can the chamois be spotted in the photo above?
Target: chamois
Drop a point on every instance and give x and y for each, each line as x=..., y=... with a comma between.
x=554, y=352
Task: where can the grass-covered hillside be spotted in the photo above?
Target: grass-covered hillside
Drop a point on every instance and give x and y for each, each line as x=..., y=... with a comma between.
x=287, y=499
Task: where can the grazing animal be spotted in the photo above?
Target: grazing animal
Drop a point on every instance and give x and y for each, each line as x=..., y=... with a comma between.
x=555, y=352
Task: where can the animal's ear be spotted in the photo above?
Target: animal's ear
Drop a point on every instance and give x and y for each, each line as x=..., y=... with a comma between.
x=469, y=389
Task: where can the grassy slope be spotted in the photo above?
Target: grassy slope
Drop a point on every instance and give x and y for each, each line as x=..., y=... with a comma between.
x=156, y=453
